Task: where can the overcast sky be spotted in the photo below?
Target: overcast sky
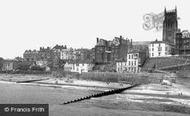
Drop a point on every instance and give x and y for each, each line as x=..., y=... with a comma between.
x=30, y=24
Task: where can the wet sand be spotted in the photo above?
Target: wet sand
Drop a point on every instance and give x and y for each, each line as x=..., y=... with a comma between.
x=146, y=100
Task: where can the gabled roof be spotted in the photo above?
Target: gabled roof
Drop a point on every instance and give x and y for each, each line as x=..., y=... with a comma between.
x=157, y=42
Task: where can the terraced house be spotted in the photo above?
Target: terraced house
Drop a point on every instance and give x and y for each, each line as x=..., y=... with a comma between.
x=79, y=66
x=133, y=63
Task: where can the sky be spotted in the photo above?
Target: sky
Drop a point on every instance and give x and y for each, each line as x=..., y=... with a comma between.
x=30, y=24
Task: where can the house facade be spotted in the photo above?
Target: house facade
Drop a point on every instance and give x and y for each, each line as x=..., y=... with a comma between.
x=79, y=67
x=66, y=54
x=8, y=65
x=133, y=62
x=121, y=66
x=30, y=55
x=159, y=49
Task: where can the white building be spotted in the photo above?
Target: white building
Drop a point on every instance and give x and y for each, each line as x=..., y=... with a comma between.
x=121, y=66
x=133, y=63
x=79, y=66
x=159, y=49
x=68, y=66
x=42, y=63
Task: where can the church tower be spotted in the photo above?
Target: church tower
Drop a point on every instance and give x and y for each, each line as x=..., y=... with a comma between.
x=170, y=26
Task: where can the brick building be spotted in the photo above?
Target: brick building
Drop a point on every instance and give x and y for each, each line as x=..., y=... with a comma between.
x=30, y=55
x=58, y=49
x=183, y=42
x=110, y=51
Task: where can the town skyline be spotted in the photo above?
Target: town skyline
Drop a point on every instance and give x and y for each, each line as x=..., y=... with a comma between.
x=31, y=25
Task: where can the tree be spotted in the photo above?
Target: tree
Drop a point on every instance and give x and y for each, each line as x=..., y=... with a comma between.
x=23, y=66
x=37, y=68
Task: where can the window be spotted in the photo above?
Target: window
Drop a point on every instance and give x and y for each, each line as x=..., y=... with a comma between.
x=152, y=49
x=134, y=62
x=73, y=67
x=152, y=54
x=152, y=45
x=166, y=48
x=159, y=53
x=159, y=48
x=129, y=63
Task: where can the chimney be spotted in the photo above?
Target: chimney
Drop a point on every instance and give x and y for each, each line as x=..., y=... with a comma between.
x=120, y=37
x=97, y=39
x=165, y=11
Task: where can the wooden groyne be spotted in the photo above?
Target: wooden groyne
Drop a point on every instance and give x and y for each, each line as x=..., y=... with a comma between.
x=105, y=93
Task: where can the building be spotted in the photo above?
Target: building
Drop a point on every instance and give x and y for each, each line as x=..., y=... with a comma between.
x=41, y=63
x=102, y=51
x=133, y=63
x=66, y=54
x=69, y=66
x=135, y=60
x=8, y=65
x=80, y=66
x=170, y=26
x=121, y=66
x=83, y=54
x=58, y=49
x=159, y=49
x=119, y=48
x=46, y=54
x=110, y=51
x=183, y=42
x=30, y=55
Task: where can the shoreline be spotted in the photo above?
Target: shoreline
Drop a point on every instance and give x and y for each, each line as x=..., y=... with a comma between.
x=156, y=95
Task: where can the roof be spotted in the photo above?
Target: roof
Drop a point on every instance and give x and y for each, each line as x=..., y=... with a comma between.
x=60, y=47
x=79, y=62
x=9, y=60
x=134, y=51
x=120, y=61
x=157, y=42
x=141, y=42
